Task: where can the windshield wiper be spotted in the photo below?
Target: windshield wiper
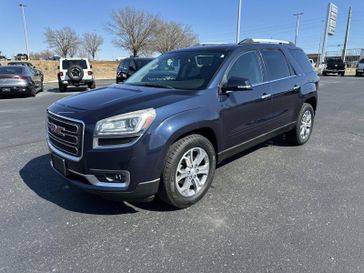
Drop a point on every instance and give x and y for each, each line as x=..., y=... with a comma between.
x=156, y=85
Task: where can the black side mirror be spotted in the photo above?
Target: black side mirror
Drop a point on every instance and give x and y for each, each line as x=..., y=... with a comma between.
x=237, y=84
x=91, y=66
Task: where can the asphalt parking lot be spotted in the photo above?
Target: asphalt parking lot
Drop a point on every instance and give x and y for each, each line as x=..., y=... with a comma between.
x=274, y=208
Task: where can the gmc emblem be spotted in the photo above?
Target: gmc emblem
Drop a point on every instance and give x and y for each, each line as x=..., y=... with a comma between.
x=56, y=129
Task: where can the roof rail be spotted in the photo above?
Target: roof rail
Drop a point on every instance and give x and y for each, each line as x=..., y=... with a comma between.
x=265, y=41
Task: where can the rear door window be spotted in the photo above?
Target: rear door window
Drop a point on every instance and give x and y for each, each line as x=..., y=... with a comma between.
x=302, y=60
x=276, y=64
x=247, y=66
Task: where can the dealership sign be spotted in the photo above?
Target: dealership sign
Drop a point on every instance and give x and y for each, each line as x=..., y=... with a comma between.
x=332, y=17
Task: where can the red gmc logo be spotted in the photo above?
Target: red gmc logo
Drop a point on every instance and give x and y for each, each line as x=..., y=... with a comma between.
x=56, y=129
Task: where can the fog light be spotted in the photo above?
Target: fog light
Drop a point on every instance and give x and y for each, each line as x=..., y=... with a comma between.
x=120, y=177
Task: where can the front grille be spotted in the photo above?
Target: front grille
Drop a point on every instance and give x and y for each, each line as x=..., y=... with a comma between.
x=65, y=135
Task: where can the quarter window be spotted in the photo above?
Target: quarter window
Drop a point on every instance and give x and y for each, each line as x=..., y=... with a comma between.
x=302, y=60
x=247, y=66
x=276, y=64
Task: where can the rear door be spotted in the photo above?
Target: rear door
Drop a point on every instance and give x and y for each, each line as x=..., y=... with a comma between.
x=246, y=114
x=285, y=87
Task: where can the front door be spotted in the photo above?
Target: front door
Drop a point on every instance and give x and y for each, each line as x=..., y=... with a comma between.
x=246, y=114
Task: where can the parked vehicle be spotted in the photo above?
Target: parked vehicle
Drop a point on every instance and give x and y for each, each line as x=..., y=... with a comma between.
x=334, y=65
x=129, y=66
x=22, y=57
x=31, y=66
x=360, y=68
x=19, y=80
x=75, y=72
x=2, y=58
x=164, y=130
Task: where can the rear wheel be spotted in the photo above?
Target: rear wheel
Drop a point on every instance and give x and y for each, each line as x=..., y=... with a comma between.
x=342, y=74
x=61, y=87
x=188, y=172
x=92, y=85
x=303, y=129
x=324, y=73
x=33, y=91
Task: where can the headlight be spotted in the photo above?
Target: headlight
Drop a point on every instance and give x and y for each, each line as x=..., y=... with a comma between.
x=126, y=124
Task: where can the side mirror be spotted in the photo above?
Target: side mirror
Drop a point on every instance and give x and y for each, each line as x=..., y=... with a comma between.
x=90, y=65
x=237, y=84
x=58, y=66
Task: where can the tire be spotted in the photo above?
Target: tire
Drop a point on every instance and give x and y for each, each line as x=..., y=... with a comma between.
x=324, y=73
x=33, y=91
x=61, y=87
x=41, y=87
x=296, y=136
x=75, y=73
x=171, y=190
x=92, y=85
x=342, y=74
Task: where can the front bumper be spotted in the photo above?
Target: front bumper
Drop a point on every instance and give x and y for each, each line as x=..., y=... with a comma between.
x=332, y=70
x=90, y=184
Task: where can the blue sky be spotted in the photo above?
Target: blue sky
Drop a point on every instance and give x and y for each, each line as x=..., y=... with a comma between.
x=212, y=20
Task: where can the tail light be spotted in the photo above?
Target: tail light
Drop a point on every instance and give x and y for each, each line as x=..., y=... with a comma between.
x=89, y=73
x=60, y=74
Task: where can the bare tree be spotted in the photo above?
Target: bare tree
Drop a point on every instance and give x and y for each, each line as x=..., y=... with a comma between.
x=65, y=41
x=172, y=35
x=91, y=43
x=133, y=30
x=42, y=55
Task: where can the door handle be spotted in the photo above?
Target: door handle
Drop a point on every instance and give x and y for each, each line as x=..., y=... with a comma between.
x=266, y=96
x=296, y=87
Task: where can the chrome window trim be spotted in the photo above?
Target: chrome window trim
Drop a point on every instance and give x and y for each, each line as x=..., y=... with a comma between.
x=61, y=153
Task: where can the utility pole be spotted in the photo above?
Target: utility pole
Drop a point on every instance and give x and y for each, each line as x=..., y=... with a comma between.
x=298, y=16
x=347, y=35
x=22, y=6
x=238, y=23
x=320, y=44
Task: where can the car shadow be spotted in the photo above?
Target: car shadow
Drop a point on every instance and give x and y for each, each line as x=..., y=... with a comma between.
x=39, y=176
x=69, y=90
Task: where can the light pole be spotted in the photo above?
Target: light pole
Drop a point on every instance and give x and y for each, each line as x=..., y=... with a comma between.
x=298, y=16
x=238, y=23
x=22, y=6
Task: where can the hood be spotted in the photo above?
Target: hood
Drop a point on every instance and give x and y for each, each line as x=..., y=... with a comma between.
x=118, y=99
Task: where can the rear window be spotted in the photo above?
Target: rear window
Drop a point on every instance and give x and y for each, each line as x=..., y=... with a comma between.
x=11, y=70
x=362, y=61
x=302, y=60
x=276, y=64
x=68, y=63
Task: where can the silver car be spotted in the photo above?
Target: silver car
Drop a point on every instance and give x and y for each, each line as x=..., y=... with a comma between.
x=20, y=80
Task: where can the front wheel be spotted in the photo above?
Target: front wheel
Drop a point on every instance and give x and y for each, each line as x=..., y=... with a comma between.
x=188, y=172
x=92, y=85
x=303, y=129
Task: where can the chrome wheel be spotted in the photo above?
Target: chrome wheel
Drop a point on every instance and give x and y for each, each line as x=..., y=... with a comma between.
x=192, y=171
x=306, y=124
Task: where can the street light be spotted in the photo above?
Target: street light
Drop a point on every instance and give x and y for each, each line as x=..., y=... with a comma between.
x=298, y=16
x=22, y=6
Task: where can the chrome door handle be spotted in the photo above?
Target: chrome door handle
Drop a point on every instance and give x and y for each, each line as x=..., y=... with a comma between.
x=266, y=96
x=296, y=87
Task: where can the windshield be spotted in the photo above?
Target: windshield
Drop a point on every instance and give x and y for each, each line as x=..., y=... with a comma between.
x=11, y=70
x=192, y=70
x=142, y=62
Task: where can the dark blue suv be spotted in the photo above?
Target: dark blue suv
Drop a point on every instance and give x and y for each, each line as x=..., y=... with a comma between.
x=164, y=130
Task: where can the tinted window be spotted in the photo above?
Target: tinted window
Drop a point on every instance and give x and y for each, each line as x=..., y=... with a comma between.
x=362, y=61
x=191, y=69
x=247, y=66
x=302, y=59
x=11, y=70
x=68, y=63
x=141, y=62
x=276, y=64
x=126, y=64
